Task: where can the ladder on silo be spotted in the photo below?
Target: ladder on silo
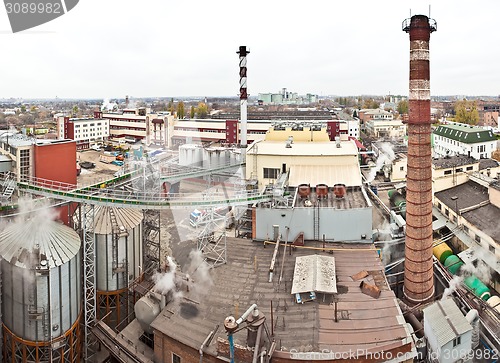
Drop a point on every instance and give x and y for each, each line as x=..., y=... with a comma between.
x=115, y=234
x=316, y=220
x=86, y=227
x=151, y=240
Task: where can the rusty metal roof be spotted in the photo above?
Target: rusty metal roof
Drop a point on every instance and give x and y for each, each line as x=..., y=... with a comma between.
x=363, y=322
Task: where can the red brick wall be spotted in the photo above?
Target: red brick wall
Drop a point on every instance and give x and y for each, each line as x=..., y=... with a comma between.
x=165, y=346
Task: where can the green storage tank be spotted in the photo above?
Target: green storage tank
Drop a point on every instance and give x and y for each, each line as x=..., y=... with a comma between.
x=442, y=251
x=480, y=290
x=453, y=264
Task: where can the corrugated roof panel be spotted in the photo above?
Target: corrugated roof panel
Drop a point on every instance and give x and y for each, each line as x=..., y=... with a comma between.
x=446, y=321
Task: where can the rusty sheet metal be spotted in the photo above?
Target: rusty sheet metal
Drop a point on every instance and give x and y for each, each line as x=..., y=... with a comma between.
x=360, y=275
x=370, y=289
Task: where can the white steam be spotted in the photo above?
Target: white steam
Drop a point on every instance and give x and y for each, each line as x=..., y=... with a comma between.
x=384, y=234
x=198, y=272
x=166, y=281
x=196, y=281
x=108, y=106
x=454, y=284
x=385, y=157
x=38, y=210
x=481, y=271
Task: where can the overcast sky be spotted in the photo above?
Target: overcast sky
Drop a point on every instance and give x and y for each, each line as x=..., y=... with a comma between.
x=113, y=48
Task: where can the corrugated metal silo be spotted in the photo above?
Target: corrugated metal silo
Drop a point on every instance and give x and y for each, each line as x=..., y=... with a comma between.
x=118, y=237
x=41, y=292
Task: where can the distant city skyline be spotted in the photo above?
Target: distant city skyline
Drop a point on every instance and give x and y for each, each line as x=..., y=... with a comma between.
x=188, y=49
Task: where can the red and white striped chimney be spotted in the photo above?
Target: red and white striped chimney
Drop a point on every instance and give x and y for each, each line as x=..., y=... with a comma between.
x=243, y=94
x=419, y=277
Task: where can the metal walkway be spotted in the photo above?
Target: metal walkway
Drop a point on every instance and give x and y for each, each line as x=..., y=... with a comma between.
x=117, y=192
x=172, y=173
x=107, y=196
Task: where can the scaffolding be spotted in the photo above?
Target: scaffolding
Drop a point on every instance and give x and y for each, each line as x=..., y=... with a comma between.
x=212, y=243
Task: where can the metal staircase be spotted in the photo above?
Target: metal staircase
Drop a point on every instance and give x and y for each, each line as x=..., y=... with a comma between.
x=9, y=186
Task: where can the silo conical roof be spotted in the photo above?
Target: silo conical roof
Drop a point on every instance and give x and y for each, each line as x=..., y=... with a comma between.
x=25, y=244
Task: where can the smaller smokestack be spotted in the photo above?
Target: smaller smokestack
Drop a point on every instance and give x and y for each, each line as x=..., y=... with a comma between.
x=243, y=94
x=126, y=101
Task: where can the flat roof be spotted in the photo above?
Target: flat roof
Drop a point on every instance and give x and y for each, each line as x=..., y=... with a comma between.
x=469, y=194
x=364, y=322
x=488, y=163
x=486, y=219
x=453, y=161
x=314, y=148
x=353, y=198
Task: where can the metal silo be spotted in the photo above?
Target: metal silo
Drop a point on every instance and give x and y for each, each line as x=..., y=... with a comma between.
x=118, y=238
x=41, y=292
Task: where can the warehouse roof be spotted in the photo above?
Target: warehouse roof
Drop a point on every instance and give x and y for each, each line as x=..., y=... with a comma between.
x=466, y=134
x=363, y=322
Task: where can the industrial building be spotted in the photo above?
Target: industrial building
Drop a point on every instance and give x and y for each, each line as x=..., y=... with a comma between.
x=139, y=124
x=30, y=157
x=316, y=184
x=328, y=322
x=85, y=131
x=380, y=123
x=474, y=206
x=449, y=332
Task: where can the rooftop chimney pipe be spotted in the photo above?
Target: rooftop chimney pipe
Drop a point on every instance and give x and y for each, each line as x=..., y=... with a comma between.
x=418, y=278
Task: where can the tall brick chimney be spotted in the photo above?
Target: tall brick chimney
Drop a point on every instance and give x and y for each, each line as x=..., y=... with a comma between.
x=419, y=278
